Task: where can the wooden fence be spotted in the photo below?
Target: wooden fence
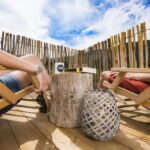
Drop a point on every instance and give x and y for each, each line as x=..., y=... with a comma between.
x=127, y=49
x=47, y=52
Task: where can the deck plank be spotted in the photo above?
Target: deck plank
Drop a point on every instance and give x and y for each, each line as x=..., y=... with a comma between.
x=33, y=131
x=27, y=135
x=54, y=134
x=76, y=135
x=7, y=139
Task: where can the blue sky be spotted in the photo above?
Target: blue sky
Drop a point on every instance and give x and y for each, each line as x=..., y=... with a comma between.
x=74, y=23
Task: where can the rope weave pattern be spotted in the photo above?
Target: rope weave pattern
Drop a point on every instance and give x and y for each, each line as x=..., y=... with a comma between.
x=100, y=114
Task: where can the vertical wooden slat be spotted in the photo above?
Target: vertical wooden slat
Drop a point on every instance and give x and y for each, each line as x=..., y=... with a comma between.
x=13, y=45
x=72, y=58
x=109, y=54
x=38, y=48
x=99, y=61
x=17, y=45
x=140, y=47
x=76, y=58
x=93, y=56
x=96, y=56
x=130, y=53
x=79, y=59
x=145, y=43
x=32, y=46
x=119, y=57
x=103, y=55
x=6, y=42
x=65, y=57
x=55, y=56
x=26, y=50
x=123, y=50
x=2, y=41
x=24, y=47
x=21, y=51
x=113, y=52
x=106, y=55
x=84, y=58
x=90, y=56
x=41, y=50
x=116, y=55
x=29, y=45
x=61, y=53
x=68, y=59
x=50, y=59
x=134, y=49
x=56, y=53
x=45, y=53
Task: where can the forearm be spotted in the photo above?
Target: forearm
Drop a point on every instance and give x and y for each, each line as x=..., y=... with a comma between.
x=145, y=77
x=14, y=62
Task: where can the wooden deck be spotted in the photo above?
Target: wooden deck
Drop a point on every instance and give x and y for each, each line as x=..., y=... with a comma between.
x=24, y=128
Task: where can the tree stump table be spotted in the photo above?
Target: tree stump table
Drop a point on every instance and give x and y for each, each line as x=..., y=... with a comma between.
x=67, y=91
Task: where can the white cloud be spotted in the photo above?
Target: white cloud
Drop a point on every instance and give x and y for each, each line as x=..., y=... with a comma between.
x=43, y=19
x=120, y=17
x=24, y=17
x=71, y=14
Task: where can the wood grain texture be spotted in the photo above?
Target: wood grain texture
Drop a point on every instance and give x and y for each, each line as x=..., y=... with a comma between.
x=63, y=138
x=7, y=139
x=67, y=90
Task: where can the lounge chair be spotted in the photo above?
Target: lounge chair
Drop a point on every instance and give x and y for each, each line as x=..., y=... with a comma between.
x=142, y=98
x=9, y=98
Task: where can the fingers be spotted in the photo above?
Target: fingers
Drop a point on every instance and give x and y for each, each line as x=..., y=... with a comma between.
x=42, y=88
x=114, y=74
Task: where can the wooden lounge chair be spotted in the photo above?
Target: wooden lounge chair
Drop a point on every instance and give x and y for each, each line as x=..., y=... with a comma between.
x=9, y=98
x=140, y=99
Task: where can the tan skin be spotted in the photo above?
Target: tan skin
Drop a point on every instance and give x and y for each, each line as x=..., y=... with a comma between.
x=26, y=65
x=144, y=77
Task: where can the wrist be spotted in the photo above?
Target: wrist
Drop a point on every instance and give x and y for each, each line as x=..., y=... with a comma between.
x=39, y=69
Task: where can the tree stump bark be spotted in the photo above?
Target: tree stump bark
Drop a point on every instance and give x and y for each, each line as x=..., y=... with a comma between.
x=67, y=91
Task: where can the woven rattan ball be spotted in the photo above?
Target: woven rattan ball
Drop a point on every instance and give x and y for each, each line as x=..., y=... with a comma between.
x=100, y=114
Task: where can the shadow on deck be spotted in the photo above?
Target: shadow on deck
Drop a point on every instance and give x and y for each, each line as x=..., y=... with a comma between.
x=24, y=128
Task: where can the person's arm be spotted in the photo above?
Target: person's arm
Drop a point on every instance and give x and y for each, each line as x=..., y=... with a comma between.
x=145, y=77
x=14, y=62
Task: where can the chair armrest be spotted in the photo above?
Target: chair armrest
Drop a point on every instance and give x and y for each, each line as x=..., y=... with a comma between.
x=9, y=95
x=133, y=70
x=34, y=81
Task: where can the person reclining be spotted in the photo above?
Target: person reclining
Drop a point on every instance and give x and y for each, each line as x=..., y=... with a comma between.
x=135, y=82
x=19, y=79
